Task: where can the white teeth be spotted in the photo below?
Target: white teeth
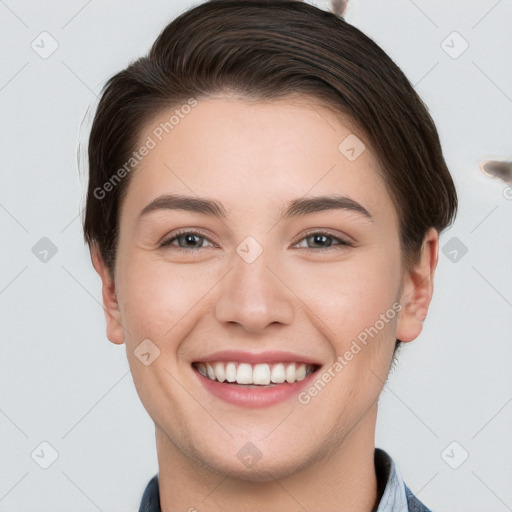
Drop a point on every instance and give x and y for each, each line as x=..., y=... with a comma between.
x=210, y=371
x=278, y=375
x=261, y=374
x=300, y=372
x=231, y=372
x=220, y=374
x=244, y=374
x=290, y=373
x=201, y=368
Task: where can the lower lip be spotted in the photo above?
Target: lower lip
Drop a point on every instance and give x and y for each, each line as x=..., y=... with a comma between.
x=254, y=397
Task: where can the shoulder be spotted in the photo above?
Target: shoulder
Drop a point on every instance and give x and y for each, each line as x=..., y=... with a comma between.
x=414, y=503
x=151, y=497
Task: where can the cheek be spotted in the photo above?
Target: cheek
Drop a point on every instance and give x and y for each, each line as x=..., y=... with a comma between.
x=350, y=296
x=161, y=301
x=158, y=300
x=356, y=304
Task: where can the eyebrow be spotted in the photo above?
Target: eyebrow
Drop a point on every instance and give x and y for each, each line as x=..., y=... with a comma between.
x=295, y=208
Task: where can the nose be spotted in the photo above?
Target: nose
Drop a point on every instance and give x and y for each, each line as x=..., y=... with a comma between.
x=254, y=295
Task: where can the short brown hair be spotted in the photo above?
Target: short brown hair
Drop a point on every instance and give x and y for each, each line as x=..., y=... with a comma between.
x=266, y=49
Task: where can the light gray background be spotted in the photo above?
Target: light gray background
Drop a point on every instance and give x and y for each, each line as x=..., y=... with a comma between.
x=62, y=382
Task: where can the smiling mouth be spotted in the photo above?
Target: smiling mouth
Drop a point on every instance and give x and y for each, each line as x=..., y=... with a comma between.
x=254, y=375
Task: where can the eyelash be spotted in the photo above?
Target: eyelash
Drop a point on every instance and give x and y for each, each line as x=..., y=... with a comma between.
x=341, y=243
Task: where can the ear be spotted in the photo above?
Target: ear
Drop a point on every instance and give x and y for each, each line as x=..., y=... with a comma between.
x=417, y=289
x=115, y=331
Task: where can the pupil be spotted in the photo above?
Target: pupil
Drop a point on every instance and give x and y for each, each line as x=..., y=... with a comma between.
x=319, y=239
x=190, y=239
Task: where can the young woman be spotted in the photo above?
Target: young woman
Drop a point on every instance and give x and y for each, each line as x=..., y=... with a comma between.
x=266, y=193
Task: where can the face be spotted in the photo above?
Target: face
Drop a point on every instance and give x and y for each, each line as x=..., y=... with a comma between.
x=267, y=283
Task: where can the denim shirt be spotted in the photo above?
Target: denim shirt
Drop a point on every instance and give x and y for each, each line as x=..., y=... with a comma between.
x=396, y=497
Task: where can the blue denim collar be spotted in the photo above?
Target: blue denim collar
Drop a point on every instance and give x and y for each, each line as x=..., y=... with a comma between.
x=393, y=498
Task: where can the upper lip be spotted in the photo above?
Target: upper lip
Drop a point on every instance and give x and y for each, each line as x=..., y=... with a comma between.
x=272, y=356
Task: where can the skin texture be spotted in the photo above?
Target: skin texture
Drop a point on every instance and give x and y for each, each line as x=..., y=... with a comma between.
x=254, y=157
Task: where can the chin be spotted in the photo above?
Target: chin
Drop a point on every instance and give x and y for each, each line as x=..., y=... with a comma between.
x=251, y=465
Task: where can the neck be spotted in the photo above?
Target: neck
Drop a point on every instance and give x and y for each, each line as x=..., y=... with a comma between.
x=342, y=481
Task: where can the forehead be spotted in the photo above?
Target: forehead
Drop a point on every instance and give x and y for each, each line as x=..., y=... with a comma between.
x=256, y=153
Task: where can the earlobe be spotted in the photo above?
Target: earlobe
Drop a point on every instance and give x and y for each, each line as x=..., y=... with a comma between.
x=417, y=289
x=115, y=332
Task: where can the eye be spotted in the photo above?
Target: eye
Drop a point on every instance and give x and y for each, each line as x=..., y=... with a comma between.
x=324, y=241
x=187, y=240
x=190, y=240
